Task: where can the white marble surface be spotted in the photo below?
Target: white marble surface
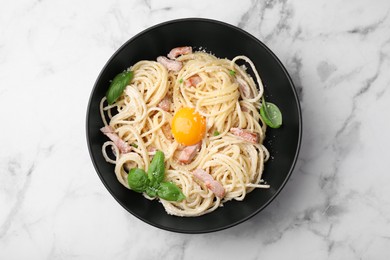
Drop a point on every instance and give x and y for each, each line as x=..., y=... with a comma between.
x=335, y=206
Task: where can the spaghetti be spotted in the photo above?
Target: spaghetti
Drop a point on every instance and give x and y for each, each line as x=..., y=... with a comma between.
x=231, y=150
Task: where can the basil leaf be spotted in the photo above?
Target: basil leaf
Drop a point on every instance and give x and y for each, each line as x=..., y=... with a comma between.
x=169, y=191
x=232, y=72
x=151, y=182
x=216, y=133
x=138, y=180
x=156, y=169
x=117, y=86
x=271, y=114
x=151, y=191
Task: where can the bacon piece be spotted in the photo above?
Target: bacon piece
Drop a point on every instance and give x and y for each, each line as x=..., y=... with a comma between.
x=152, y=150
x=245, y=135
x=244, y=109
x=244, y=87
x=170, y=64
x=110, y=133
x=210, y=183
x=175, y=52
x=165, y=104
x=193, y=81
x=188, y=153
x=166, y=129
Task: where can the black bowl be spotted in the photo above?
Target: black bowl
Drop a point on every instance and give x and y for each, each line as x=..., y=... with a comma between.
x=223, y=40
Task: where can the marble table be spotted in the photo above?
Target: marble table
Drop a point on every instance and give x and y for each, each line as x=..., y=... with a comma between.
x=337, y=202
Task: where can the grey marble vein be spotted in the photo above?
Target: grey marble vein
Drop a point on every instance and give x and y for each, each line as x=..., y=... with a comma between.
x=367, y=29
x=14, y=169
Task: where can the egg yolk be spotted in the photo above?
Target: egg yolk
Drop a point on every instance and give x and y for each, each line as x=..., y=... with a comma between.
x=188, y=126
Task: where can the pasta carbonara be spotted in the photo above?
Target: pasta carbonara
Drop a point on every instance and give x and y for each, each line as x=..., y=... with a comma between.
x=219, y=156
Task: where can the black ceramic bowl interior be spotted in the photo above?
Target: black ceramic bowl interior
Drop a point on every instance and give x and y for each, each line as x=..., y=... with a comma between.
x=223, y=40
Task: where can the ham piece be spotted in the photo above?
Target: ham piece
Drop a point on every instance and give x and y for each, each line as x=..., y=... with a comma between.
x=193, y=81
x=175, y=52
x=245, y=135
x=110, y=133
x=165, y=104
x=210, y=183
x=188, y=153
x=244, y=87
x=170, y=64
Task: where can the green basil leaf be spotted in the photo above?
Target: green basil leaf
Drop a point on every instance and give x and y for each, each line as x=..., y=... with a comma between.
x=169, y=191
x=216, y=133
x=151, y=191
x=271, y=114
x=117, y=86
x=138, y=180
x=232, y=72
x=156, y=169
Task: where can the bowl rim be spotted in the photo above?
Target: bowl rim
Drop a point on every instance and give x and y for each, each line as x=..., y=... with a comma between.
x=297, y=102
